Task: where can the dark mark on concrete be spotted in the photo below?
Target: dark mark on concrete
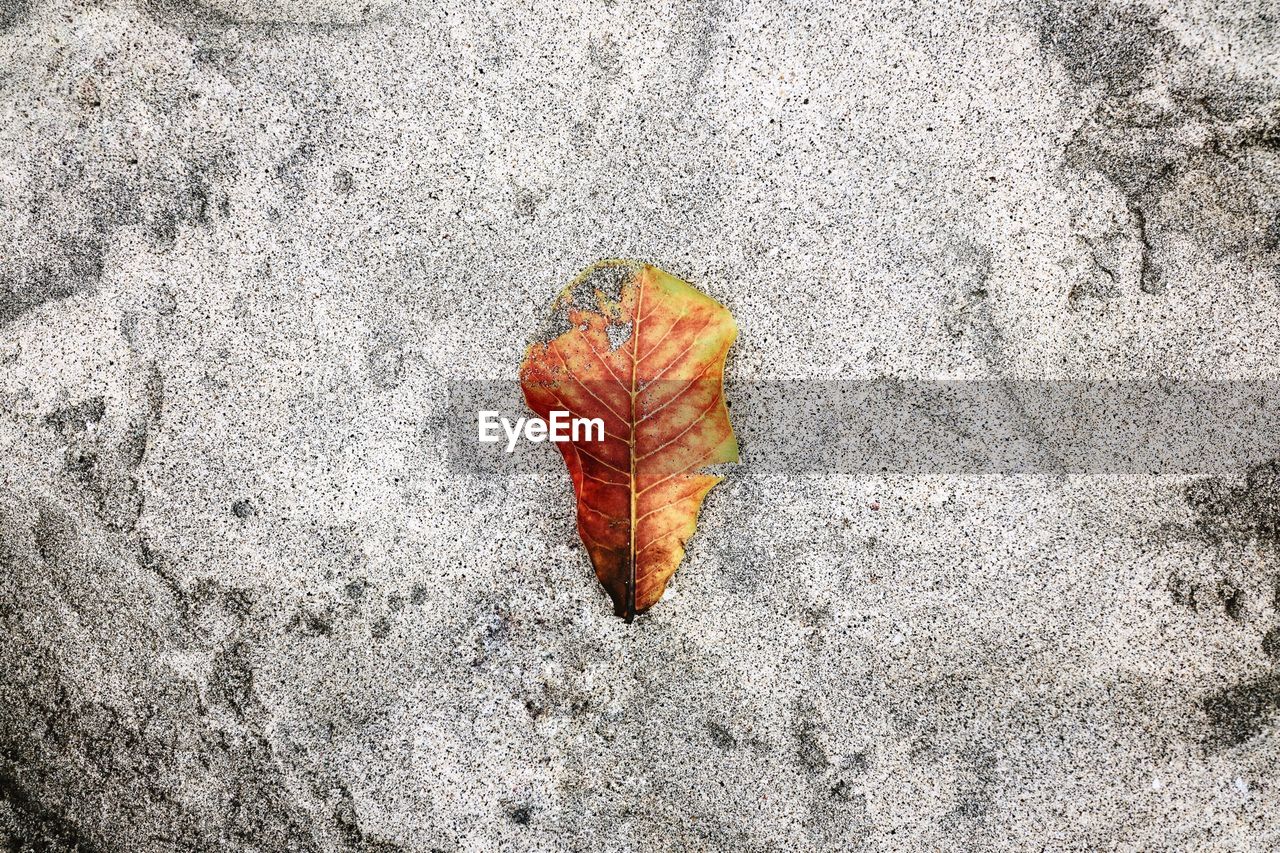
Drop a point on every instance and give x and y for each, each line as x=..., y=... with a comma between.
x=809, y=750
x=1271, y=644
x=11, y=11
x=72, y=265
x=721, y=736
x=1188, y=148
x=36, y=828
x=1251, y=510
x=1239, y=713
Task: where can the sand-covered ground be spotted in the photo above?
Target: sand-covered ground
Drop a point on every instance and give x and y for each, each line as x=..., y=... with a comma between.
x=249, y=249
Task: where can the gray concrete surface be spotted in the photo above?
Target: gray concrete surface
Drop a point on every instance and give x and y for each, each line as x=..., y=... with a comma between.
x=247, y=604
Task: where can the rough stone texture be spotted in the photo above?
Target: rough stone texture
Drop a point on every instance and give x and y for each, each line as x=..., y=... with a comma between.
x=245, y=245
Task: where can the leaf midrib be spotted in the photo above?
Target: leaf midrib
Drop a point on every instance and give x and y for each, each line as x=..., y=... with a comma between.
x=631, y=452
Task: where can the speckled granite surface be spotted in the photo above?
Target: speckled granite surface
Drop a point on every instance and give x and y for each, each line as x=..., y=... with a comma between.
x=247, y=603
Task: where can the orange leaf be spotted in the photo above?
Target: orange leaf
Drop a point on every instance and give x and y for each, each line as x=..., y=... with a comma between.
x=644, y=352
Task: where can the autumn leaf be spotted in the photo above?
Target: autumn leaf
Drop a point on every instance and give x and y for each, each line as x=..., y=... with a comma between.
x=644, y=352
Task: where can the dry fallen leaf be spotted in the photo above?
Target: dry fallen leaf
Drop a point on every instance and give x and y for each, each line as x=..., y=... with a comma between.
x=643, y=351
